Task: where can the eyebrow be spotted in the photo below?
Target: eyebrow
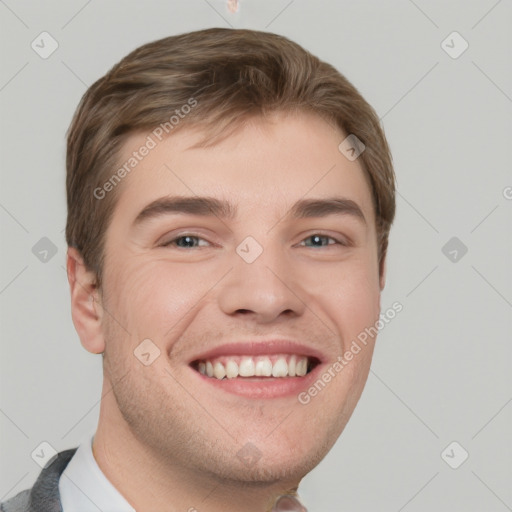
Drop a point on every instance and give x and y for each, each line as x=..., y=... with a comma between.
x=209, y=206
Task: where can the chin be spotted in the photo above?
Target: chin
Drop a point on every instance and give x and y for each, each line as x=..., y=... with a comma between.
x=259, y=469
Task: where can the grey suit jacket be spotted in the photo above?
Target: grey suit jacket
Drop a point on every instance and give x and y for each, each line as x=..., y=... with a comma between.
x=44, y=496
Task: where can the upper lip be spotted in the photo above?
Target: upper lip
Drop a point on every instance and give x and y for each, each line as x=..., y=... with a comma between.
x=261, y=347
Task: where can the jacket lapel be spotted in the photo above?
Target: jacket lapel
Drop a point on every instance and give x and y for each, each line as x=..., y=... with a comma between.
x=44, y=495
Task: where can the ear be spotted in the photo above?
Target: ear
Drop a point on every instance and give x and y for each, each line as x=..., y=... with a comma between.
x=86, y=310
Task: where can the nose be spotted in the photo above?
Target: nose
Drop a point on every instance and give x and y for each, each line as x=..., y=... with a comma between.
x=265, y=289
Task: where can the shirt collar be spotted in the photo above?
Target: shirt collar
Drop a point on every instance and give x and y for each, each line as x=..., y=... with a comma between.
x=84, y=487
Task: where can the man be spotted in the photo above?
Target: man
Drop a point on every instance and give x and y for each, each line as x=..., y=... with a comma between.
x=229, y=203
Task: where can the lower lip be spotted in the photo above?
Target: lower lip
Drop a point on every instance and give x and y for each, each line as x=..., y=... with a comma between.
x=263, y=387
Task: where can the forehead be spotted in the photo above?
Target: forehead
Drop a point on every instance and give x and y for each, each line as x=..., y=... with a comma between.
x=267, y=164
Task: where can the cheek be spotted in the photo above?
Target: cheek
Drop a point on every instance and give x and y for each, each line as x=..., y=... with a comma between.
x=154, y=296
x=349, y=294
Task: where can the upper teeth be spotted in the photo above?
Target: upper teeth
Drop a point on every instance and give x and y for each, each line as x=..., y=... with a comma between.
x=258, y=366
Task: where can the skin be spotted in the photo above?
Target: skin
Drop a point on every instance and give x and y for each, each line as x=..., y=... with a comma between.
x=165, y=439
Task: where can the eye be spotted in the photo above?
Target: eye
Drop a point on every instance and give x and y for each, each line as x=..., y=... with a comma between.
x=319, y=239
x=185, y=241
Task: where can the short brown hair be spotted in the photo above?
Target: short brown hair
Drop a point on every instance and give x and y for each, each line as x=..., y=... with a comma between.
x=231, y=75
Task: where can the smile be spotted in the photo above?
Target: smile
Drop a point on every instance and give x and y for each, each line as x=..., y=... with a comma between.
x=259, y=369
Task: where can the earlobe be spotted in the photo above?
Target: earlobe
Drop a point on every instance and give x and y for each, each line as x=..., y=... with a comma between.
x=86, y=310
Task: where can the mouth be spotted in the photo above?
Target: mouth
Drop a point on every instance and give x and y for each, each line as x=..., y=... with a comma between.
x=259, y=370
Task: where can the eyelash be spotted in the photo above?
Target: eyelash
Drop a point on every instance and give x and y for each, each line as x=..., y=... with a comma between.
x=191, y=235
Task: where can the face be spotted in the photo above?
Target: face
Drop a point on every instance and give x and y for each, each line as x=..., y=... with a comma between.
x=249, y=298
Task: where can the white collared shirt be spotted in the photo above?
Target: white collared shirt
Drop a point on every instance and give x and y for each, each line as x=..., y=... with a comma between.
x=83, y=486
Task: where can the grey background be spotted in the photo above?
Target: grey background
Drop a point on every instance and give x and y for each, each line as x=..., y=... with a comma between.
x=441, y=370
